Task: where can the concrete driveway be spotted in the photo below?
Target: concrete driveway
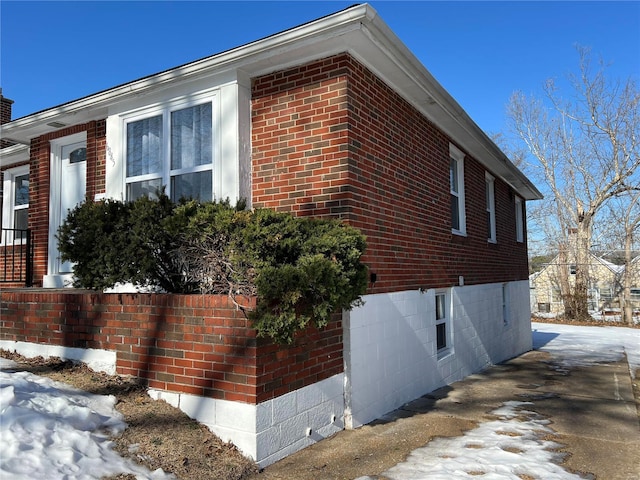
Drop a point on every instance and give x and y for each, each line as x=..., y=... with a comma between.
x=586, y=411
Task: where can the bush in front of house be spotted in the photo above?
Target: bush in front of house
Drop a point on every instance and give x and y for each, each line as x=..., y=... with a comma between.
x=300, y=269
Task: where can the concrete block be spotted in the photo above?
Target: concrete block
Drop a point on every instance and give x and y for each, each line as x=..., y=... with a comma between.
x=284, y=407
x=308, y=398
x=332, y=387
x=171, y=398
x=264, y=416
x=268, y=442
x=201, y=408
x=245, y=441
x=236, y=415
x=294, y=428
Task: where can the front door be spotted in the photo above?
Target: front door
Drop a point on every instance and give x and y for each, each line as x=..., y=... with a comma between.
x=73, y=186
x=68, y=187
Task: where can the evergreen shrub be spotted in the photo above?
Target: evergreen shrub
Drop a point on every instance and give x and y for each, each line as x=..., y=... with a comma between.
x=301, y=269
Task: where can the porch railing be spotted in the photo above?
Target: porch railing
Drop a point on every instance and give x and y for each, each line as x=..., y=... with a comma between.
x=16, y=256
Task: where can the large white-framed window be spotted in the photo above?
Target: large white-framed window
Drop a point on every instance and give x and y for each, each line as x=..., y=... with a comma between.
x=456, y=182
x=519, y=204
x=490, y=197
x=171, y=146
x=443, y=323
x=15, y=203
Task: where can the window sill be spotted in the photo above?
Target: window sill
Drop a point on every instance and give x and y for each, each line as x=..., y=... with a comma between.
x=444, y=353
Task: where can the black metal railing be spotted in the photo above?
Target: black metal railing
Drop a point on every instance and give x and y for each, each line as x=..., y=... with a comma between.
x=16, y=256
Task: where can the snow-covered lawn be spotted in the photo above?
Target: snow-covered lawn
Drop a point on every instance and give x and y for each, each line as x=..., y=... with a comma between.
x=49, y=430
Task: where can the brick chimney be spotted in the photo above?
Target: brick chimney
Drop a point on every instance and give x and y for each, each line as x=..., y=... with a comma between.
x=5, y=108
x=5, y=116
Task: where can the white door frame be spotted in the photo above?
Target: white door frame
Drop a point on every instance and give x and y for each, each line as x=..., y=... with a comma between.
x=54, y=279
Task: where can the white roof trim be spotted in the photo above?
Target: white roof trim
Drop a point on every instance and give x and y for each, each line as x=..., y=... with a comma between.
x=13, y=155
x=358, y=31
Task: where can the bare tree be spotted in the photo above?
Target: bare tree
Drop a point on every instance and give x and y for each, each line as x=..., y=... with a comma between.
x=623, y=228
x=585, y=150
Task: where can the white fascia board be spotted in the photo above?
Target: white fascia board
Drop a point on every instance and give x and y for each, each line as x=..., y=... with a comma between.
x=13, y=155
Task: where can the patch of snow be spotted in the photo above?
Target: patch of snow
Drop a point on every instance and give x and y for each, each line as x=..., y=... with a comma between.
x=574, y=346
x=51, y=430
x=6, y=364
x=506, y=448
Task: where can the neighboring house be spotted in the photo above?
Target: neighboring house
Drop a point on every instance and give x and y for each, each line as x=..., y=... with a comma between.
x=605, y=285
x=334, y=118
x=634, y=268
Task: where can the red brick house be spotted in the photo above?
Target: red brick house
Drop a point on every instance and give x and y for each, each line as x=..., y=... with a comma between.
x=332, y=118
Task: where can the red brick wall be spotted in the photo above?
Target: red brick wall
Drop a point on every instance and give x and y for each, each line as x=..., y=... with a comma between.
x=330, y=138
x=197, y=344
x=299, y=135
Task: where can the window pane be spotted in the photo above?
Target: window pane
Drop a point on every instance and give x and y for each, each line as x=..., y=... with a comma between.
x=519, y=221
x=441, y=336
x=192, y=185
x=21, y=219
x=440, y=307
x=455, y=213
x=22, y=190
x=144, y=146
x=453, y=175
x=489, y=229
x=149, y=188
x=78, y=155
x=191, y=137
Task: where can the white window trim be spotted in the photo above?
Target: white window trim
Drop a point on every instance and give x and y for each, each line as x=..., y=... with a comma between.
x=491, y=206
x=165, y=109
x=519, y=213
x=456, y=154
x=8, y=200
x=446, y=320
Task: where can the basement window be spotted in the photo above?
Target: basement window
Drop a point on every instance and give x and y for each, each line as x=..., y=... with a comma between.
x=443, y=324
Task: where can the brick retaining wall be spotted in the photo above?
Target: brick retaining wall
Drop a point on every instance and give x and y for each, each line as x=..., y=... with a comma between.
x=197, y=344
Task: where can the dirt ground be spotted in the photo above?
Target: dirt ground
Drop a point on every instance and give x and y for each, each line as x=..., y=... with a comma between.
x=163, y=436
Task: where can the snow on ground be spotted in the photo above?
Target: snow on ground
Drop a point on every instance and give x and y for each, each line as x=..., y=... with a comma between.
x=52, y=431
x=501, y=449
x=574, y=346
x=514, y=445
x=49, y=430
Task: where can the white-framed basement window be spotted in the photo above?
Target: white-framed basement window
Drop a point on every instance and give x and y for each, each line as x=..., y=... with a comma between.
x=171, y=147
x=456, y=181
x=519, y=205
x=506, y=300
x=490, y=197
x=15, y=203
x=443, y=324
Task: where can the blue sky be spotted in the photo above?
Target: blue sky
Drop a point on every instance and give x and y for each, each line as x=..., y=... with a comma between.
x=481, y=52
